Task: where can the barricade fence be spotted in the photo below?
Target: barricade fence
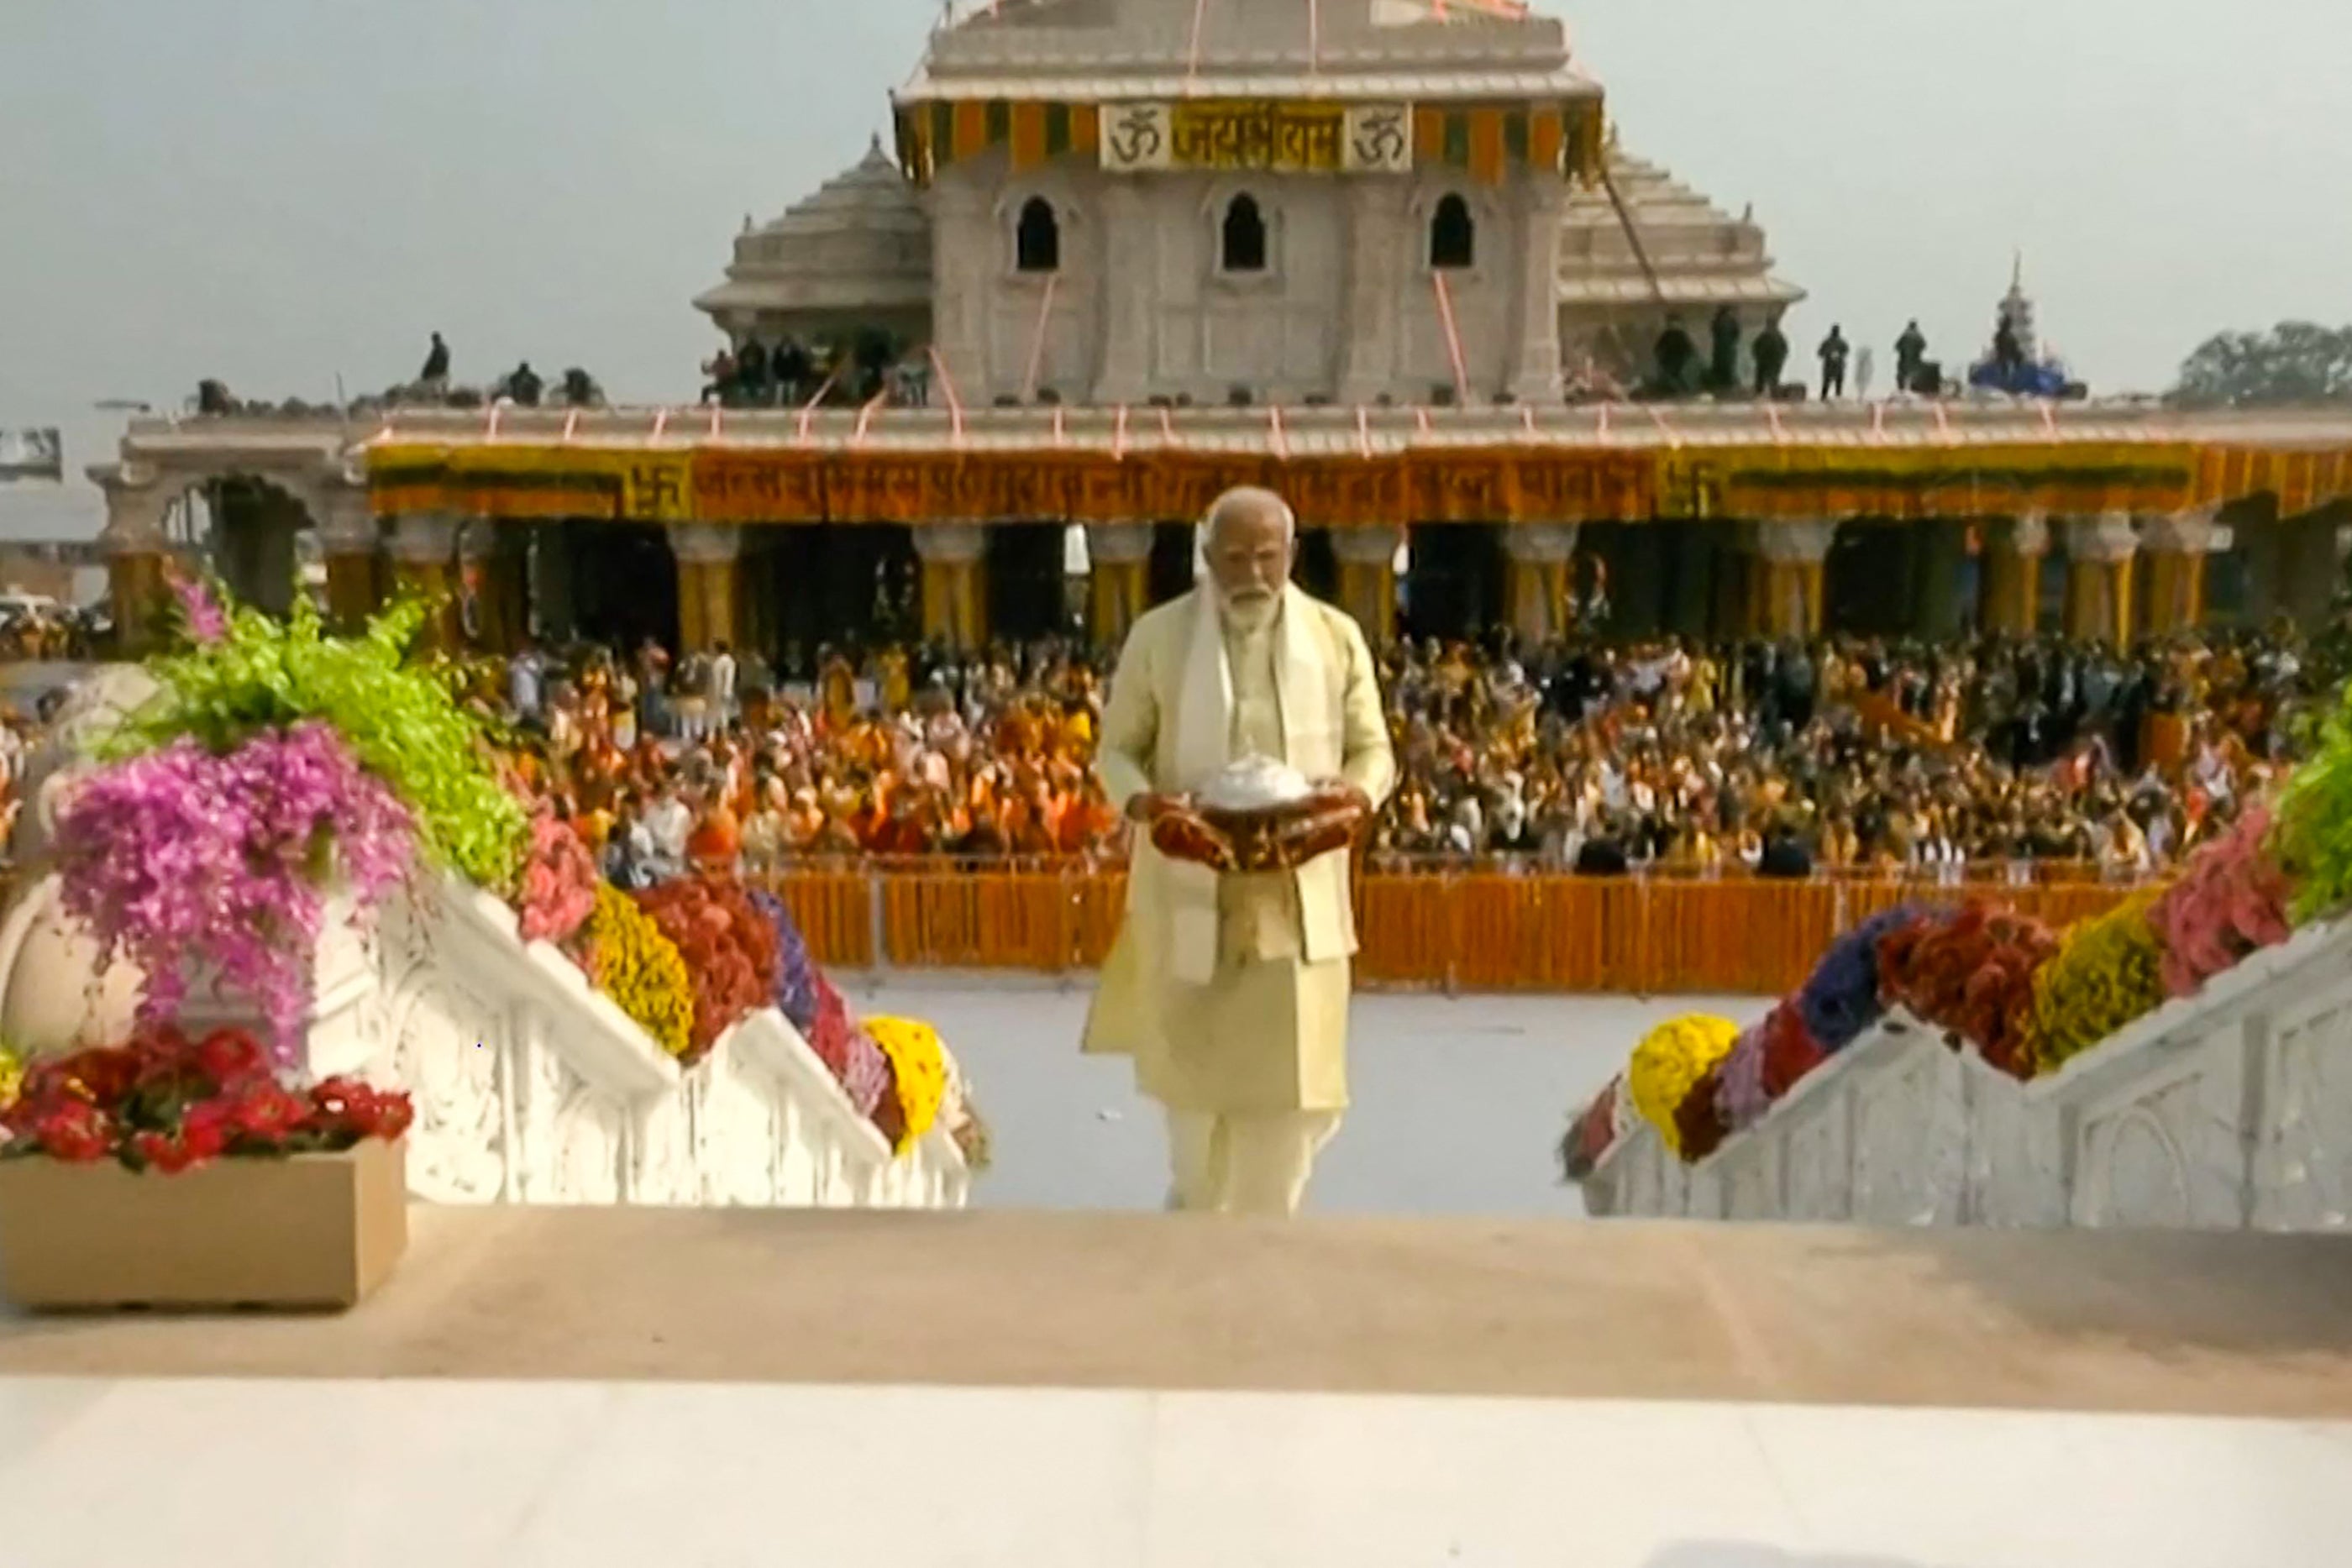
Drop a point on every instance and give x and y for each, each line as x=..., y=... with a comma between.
x=1466, y=929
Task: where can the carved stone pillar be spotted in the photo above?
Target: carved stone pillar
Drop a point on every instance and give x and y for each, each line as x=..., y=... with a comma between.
x=955, y=609
x=1535, y=317
x=2012, y=559
x=350, y=543
x=423, y=547
x=1377, y=250
x=709, y=585
x=137, y=549
x=1118, y=556
x=1788, y=583
x=1536, y=578
x=2176, y=547
x=1368, y=577
x=1131, y=271
x=2099, y=553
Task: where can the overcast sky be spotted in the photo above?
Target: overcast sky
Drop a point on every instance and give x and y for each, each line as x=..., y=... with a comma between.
x=281, y=192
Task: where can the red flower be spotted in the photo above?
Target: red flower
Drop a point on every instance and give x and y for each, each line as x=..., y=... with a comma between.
x=229, y=1056
x=104, y=1076
x=264, y=1112
x=347, y=1111
x=74, y=1131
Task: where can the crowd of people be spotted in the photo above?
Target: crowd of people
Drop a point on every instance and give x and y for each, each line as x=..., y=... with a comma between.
x=1940, y=759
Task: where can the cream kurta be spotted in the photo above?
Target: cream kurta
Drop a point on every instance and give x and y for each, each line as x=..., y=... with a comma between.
x=1267, y=1032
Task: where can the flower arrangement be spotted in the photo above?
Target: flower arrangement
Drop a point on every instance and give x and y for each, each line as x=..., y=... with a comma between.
x=243, y=673
x=797, y=978
x=1842, y=998
x=918, y=1074
x=1591, y=1132
x=167, y=1103
x=1699, y=1125
x=556, y=893
x=1668, y=1064
x=185, y=854
x=2311, y=842
x=1972, y=975
x=728, y=947
x=631, y=961
x=866, y=1078
x=2230, y=901
x=2107, y=973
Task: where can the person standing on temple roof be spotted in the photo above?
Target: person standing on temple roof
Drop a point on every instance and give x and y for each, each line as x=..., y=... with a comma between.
x=1910, y=354
x=1834, y=351
x=434, y=377
x=524, y=386
x=2008, y=351
x=751, y=372
x=1723, y=372
x=1771, y=354
x=1677, y=359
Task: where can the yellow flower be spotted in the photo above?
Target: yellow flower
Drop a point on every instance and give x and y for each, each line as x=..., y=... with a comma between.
x=641, y=970
x=920, y=1064
x=2108, y=972
x=1671, y=1059
x=12, y=1077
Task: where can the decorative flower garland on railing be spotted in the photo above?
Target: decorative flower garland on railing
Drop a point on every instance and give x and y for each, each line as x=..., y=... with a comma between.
x=279, y=767
x=2026, y=1000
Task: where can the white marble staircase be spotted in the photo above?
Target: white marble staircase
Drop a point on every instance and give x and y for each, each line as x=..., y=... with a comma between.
x=531, y=1087
x=2228, y=1110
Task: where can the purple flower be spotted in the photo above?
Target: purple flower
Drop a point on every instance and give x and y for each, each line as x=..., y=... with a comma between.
x=180, y=857
x=1841, y=1000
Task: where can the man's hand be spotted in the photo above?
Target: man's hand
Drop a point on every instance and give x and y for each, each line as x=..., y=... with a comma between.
x=1149, y=805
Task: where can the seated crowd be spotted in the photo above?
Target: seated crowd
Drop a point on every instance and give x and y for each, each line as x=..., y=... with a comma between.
x=1837, y=754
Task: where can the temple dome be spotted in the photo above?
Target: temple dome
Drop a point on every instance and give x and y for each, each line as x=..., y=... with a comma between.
x=1703, y=256
x=860, y=246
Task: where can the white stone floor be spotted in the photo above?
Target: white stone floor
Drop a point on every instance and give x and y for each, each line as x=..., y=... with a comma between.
x=332, y=1474
x=1459, y=1102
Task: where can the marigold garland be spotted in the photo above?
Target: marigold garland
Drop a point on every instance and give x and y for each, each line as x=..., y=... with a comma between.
x=640, y=968
x=2107, y=974
x=919, y=1071
x=1668, y=1064
x=12, y=1077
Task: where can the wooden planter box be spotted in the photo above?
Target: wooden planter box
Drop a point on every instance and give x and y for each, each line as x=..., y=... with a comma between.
x=313, y=1230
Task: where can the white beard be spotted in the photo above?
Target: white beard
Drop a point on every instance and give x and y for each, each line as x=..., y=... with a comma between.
x=1250, y=615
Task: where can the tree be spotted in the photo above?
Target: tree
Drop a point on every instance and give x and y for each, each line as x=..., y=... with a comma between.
x=2295, y=362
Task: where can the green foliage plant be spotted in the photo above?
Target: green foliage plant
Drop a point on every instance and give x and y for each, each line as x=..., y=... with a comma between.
x=243, y=673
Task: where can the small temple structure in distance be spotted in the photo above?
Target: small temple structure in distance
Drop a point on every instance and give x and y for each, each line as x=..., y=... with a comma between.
x=1386, y=256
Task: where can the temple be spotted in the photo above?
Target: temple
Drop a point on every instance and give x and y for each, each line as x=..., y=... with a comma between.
x=1388, y=255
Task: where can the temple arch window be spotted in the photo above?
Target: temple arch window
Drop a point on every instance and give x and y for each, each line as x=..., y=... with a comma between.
x=1452, y=236
x=1037, y=238
x=1242, y=239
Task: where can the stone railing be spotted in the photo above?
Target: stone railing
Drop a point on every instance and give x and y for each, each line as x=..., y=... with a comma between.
x=2228, y=1110
x=531, y=1087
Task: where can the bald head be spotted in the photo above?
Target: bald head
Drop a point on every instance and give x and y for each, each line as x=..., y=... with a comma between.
x=1252, y=536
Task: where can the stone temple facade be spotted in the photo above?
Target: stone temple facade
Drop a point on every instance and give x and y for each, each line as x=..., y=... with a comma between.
x=1260, y=201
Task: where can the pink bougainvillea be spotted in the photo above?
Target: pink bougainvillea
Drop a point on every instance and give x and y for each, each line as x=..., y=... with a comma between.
x=180, y=857
x=2230, y=901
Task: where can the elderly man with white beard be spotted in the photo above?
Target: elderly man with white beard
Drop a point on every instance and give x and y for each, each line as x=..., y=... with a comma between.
x=1229, y=990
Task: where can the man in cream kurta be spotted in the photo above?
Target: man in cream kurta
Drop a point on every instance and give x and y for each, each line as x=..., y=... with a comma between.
x=1231, y=992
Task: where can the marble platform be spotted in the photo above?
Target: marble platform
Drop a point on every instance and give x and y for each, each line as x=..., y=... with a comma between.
x=711, y=1387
